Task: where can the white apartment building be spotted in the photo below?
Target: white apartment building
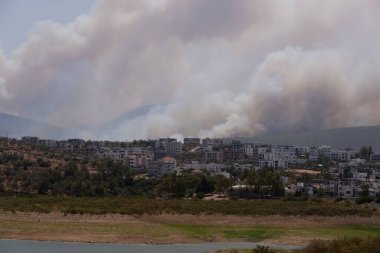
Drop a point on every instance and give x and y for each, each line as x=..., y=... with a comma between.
x=276, y=157
x=339, y=155
x=119, y=153
x=171, y=146
x=276, y=164
x=210, y=167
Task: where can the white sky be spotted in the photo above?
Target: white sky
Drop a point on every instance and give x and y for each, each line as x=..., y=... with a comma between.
x=17, y=17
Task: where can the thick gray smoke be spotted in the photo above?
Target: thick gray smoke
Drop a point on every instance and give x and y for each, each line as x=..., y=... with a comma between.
x=204, y=67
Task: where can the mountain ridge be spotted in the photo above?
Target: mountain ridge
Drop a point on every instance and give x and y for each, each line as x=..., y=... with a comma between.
x=18, y=126
x=346, y=137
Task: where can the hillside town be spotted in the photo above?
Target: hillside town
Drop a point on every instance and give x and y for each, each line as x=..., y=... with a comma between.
x=305, y=171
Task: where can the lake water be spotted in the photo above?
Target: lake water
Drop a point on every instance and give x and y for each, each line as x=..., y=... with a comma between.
x=25, y=246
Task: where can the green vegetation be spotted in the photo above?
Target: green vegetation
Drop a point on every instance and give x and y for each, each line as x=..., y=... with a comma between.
x=186, y=185
x=261, y=183
x=26, y=170
x=254, y=234
x=140, y=205
x=156, y=230
x=210, y=232
x=110, y=178
x=38, y=169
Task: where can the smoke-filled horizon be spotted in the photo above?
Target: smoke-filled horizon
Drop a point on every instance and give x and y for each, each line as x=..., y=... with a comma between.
x=200, y=68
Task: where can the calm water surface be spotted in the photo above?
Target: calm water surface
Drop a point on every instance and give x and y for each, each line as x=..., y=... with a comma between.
x=25, y=246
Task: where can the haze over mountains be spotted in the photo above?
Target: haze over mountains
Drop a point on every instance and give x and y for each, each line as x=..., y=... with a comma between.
x=18, y=126
x=348, y=137
x=353, y=137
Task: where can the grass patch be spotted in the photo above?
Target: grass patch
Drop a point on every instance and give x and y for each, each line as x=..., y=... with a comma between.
x=210, y=232
x=203, y=232
x=257, y=234
x=347, y=231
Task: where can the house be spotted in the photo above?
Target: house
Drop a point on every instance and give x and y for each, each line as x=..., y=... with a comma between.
x=344, y=188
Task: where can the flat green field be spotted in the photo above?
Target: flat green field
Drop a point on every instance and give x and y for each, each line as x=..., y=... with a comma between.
x=142, y=220
x=260, y=233
x=182, y=228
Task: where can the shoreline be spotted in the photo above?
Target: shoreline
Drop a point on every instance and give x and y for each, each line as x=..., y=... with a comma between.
x=156, y=244
x=61, y=247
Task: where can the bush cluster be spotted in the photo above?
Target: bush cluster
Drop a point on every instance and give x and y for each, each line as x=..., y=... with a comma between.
x=143, y=205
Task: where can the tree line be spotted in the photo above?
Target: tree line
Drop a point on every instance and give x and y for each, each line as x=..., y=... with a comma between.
x=115, y=179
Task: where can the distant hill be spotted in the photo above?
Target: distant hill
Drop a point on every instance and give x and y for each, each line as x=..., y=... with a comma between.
x=18, y=126
x=354, y=137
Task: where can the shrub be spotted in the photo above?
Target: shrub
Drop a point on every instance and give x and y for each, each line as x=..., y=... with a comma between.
x=339, y=199
x=364, y=199
x=263, y=249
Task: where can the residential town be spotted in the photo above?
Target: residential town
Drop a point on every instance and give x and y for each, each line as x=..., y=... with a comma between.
x=305, y=171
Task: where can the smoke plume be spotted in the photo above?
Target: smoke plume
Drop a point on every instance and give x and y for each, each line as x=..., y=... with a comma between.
x=204, y=68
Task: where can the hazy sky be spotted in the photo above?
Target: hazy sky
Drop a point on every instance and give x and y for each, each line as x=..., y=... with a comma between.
x=17, y=17
x=191, y=67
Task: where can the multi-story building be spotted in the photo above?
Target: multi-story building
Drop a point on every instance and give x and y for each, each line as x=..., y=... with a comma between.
x=251, y=150
x=214, y=156
x=340, y=155
x=346, y=188
x=76, y=143
x=137, y=160
x=210, y=167
x=166, y=165
x=48, y=143
x=375, y=157
x=118, y=153
x=301, y=151
x=232, y=154
x=171, y=146
x=191, y=141
x=31, y=140
x=276, y=157
x=275, y=164
x=215, y=142
x=105, y=152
